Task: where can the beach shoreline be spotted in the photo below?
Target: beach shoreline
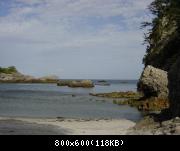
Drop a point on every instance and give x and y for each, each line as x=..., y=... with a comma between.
x=63, y=126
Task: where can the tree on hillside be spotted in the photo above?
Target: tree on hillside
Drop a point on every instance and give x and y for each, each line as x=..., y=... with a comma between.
x=162, y=38
x=8, y=70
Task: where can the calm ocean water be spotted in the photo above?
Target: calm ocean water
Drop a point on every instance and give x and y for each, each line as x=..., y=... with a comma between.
x=49, y=100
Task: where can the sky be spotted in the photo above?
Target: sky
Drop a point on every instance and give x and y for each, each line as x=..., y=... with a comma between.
x=74, y=39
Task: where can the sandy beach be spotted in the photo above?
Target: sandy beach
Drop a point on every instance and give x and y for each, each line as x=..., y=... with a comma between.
x=63, y=126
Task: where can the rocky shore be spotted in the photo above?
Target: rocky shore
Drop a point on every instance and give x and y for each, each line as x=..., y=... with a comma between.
x=160, y=78
x=128, y=94
x=136, y=99
x=14, y=76
x=154, y=126
x=159, y=97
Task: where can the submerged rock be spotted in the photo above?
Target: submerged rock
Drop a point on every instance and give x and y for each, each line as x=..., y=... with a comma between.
x=128, y=94
x=103, y=84
x=100, y=81
x=153, y=83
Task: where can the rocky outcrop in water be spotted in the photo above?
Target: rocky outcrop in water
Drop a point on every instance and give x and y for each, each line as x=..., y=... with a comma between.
x=120, y=95
x=76, y=83
x=153, y=83
x=48, y=79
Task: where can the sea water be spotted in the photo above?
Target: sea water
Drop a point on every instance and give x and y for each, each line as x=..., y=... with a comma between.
x=51, y=101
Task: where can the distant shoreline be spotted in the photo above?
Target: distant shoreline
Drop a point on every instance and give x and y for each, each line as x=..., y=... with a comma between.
x=56, y=80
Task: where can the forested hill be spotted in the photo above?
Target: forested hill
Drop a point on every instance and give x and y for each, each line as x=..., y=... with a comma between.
x=163, y=36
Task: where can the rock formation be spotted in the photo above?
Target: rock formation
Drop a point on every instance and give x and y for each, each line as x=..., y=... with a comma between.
x=163, y=51
x=17, y=77
x=73, y=83
x=153, y=83
x=150, y=126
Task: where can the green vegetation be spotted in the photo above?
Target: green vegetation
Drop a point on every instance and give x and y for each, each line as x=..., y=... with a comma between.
x=8, y=70
x=11, y=75
x=163, y=36
x=163, y=46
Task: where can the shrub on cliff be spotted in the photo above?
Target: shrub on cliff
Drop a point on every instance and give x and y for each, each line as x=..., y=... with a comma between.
x=163, y=36
x=163, y=46
x=8, y=70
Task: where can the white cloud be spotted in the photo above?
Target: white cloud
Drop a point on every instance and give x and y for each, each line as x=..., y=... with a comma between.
x=51, y=26
x=55, y=19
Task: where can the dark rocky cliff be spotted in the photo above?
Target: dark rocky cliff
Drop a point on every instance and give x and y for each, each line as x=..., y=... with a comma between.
x=174, y=87
x=163, y=47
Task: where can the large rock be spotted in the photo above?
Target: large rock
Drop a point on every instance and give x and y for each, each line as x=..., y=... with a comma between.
x=174, y=88
x=75, y=83
x=14, y=77
x=153, y=83
x=50, y=78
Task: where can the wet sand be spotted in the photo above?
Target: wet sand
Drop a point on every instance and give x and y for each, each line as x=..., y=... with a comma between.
x=63, y=126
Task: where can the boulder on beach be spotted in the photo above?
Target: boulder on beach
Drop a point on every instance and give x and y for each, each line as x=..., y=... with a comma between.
x=153, y=83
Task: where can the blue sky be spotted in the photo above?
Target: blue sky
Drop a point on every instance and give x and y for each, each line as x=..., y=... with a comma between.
x=85, y=39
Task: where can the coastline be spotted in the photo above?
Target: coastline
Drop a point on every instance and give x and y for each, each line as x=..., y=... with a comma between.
x=63, y=126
